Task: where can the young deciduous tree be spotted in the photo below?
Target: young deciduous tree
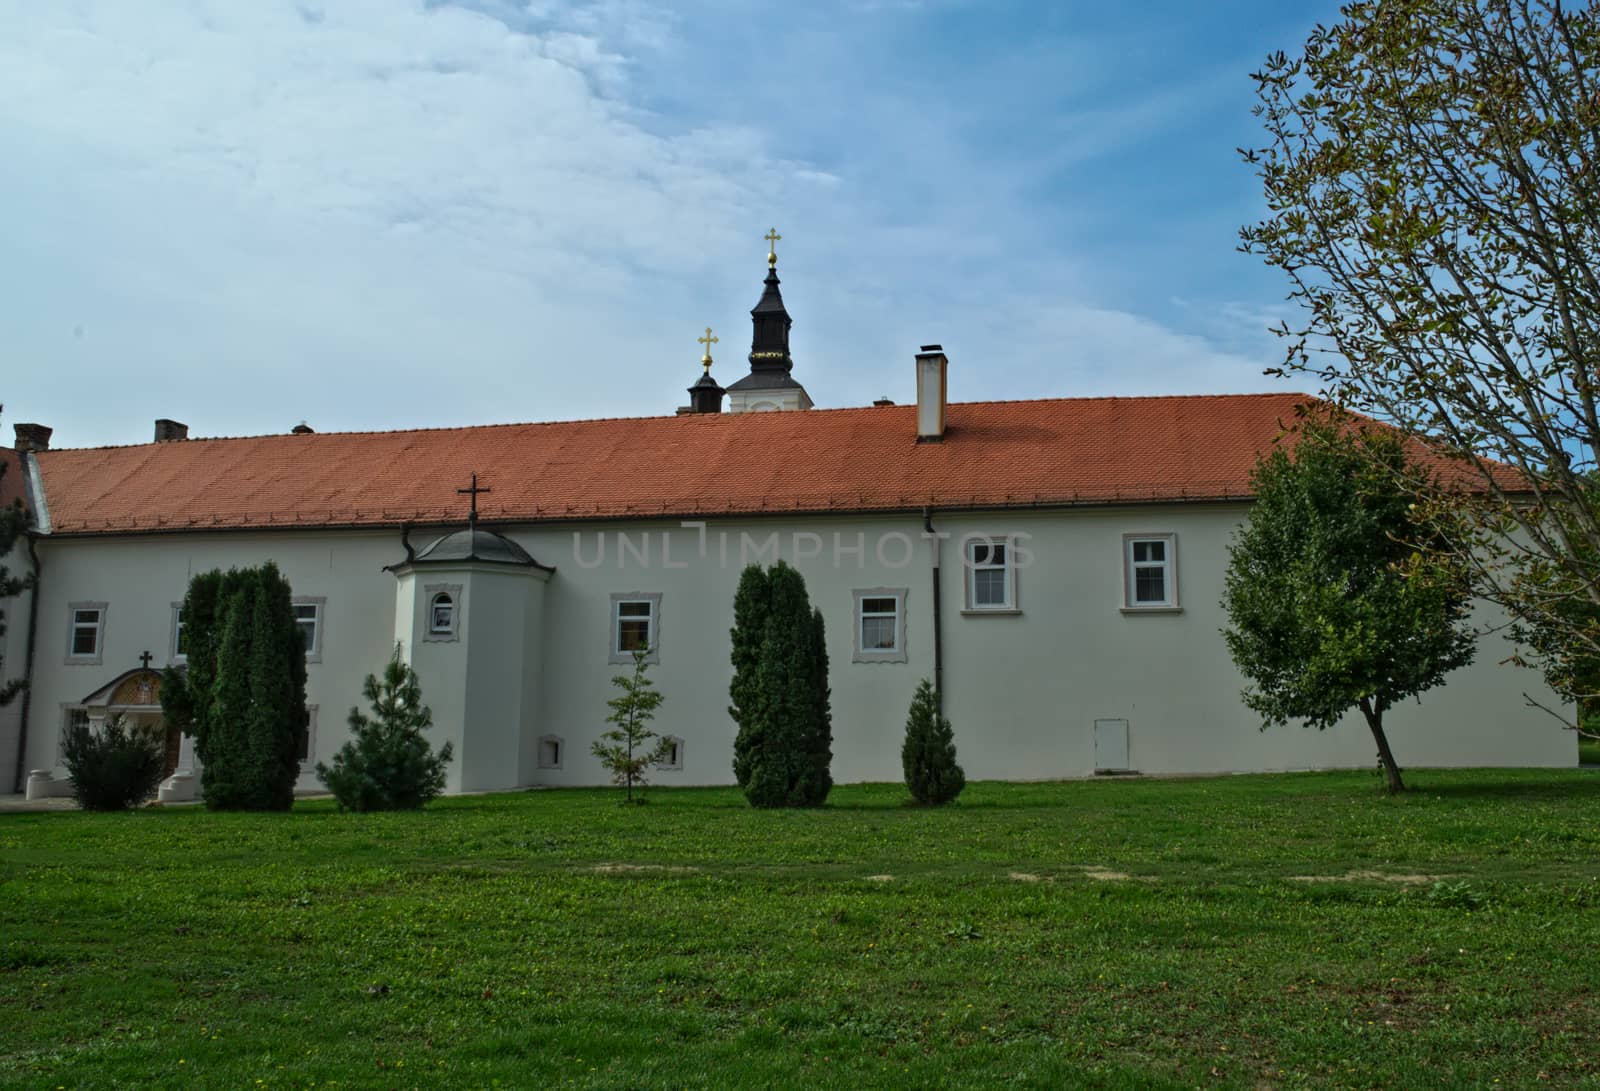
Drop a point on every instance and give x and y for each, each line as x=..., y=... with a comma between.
x=389, y=765
x=1336, y=598
x=928, y=754
x=243, y=693
x=626, y=751
x=1429, y=169
x=780, y=691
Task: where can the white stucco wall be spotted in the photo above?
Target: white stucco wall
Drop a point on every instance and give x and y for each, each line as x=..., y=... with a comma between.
x=1023, y=690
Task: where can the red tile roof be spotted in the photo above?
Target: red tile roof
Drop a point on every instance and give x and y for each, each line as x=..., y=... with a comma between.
x=995, y=454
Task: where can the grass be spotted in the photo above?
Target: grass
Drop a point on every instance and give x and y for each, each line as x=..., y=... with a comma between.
x=556, y=937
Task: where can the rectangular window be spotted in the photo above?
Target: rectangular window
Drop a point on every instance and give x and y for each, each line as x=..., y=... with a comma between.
x=1149, y=578
x=308, y=615
x=880, y=625
x=86, y=628
x=180, y=641
x=635, y=624
x=72, y=718
x=991, y=574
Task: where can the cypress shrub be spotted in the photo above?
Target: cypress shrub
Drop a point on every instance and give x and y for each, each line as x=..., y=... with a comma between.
x=114, y=769
x=928, y=754
x=242, y=695
x=780, y=689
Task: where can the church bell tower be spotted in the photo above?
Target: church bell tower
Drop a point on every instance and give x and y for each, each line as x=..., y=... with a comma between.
x=769, y=386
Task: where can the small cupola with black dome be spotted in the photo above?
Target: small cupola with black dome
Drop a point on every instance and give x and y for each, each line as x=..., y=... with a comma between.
x=769, y=386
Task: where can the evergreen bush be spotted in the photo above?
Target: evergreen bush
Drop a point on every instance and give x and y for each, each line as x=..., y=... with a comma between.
x=242, y=694
x=780, y=691
x=928, y=754
x=114, y=769
x=389, y=765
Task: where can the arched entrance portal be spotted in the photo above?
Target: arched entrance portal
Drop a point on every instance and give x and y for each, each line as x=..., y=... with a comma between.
x=136, y=696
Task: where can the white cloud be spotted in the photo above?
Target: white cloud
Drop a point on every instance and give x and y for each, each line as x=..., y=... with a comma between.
x=383, y=213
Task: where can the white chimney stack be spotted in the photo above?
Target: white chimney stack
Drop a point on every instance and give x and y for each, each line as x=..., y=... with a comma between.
x=931, y=367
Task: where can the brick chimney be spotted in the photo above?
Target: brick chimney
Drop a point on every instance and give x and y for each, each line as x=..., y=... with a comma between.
x=170, y=430
x=932, y=365
x=32, y=437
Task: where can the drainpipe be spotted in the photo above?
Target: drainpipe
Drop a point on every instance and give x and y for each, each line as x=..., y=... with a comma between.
x=27, y=666
x=938, y=613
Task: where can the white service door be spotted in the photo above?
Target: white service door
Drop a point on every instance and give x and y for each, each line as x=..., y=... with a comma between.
x=1110, y=746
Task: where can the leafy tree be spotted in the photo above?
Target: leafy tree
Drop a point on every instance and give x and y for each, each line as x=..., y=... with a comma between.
x=1336, y=598
x=114, y=769
x=389, y=765
x=13, y=528
x=928, y=754
x=780, y=691
x=1428, y=167
x=625, y=751
x=242, y=694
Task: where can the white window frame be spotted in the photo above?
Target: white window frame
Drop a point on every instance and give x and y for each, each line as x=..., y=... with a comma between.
x=970, y=569
x=93, y=658
x=561, y=752
x=859, y=653
x=429, y=593
x=674, y=761
x=615, y=653
x=174, y=656
x=319, y=631
x=1130, y=572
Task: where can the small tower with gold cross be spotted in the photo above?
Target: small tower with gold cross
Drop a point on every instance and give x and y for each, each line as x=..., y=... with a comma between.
x=769, y=386
x=705, y=396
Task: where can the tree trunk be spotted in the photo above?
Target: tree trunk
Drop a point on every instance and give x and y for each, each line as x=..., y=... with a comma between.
x=1385, y=755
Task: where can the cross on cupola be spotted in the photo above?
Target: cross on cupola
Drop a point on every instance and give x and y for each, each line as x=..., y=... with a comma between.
x=473, y=491
x=769, y=385
x=705, y=396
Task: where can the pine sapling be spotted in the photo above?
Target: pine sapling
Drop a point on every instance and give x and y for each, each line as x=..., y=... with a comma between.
x=389, y=765
x=626, y=751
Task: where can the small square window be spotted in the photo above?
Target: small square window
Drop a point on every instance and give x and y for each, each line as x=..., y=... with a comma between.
x=1149, y=578
x=635, y=624
x=674, y=753
x=550, y=751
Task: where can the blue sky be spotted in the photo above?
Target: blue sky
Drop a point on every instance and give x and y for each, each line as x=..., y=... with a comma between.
x=397, y=213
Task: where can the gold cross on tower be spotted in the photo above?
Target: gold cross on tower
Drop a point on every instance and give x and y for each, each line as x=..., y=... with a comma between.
x=773, y=238
x=707, y=341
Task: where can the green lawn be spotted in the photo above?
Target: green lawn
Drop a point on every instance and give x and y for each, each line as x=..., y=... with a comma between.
x=1589, y=751
x=558, y=937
